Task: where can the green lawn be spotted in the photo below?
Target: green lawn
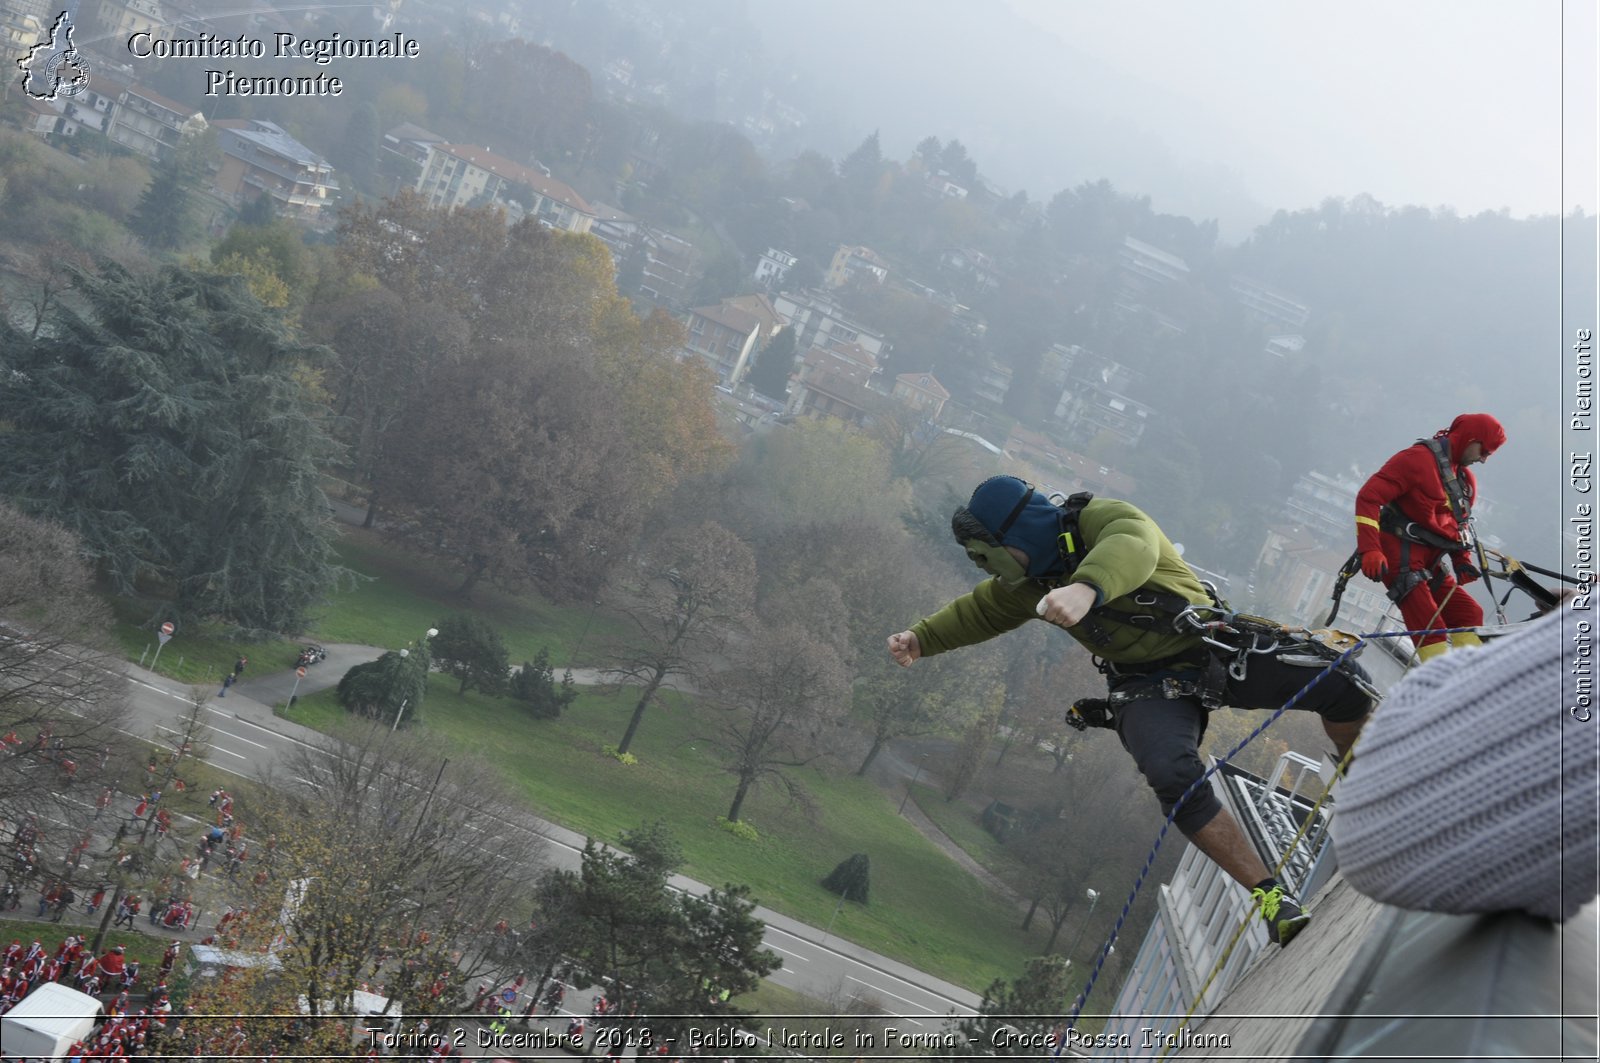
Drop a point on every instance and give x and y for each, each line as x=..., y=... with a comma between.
x=923, y=909
x=402, y=595
x=397, y=597
x=961, y=825
x=199, y=654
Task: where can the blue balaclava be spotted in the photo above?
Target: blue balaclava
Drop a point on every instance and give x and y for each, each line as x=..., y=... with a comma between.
x=1022, y=517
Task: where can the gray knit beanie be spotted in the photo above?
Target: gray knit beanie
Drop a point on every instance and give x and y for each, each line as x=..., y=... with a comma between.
x=1474, y=786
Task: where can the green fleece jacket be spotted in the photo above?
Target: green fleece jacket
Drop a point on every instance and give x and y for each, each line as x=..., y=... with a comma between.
x=1126, y=550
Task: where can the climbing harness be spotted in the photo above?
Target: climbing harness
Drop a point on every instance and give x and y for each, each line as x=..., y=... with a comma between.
x=1230, y=641
x=1409, y=532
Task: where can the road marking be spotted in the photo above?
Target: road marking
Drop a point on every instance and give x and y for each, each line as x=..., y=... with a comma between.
x=786, y=952
x=279, y=734
x=962, y=1008
x=886, y=993
x=215, y=748
x=240, y=738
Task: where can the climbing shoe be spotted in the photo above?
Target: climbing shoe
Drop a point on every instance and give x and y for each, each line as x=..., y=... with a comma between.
x=1282, y=914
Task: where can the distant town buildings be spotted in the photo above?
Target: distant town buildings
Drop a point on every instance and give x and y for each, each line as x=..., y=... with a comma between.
x=260, y=159
x=459, y=175
x=853, y=263
x=772, y=266
x=727, y=336
x=819, y=321
x=921, y=392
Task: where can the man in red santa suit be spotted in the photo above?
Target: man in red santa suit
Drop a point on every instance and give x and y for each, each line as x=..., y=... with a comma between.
x=1412, y=530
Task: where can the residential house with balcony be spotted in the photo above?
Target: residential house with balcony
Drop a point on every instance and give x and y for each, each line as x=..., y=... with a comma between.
x=459, y=175
x=922, y=392
x=260, y=159
x=1150, y=264
x=970, y=263
x=1270, y=306
x=773, y=265
x=670, y=267
x=151, y=124
x=1066, y=469
x=1089, y=410
x=112, y=22
x=24, y=23
x=617, y=229
x=728, y=335
x=410, y=142
x=1295, y=571
x=832, y=385
x=851, y=263
x=819, y=321
x=1325, y=506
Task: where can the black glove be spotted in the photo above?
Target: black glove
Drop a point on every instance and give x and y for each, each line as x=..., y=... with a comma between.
x=1091, y=712
x=1466, y=572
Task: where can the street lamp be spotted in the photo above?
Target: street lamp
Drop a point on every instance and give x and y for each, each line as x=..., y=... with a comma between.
x=922, y=760
x=404, y=653
x=1093, y=897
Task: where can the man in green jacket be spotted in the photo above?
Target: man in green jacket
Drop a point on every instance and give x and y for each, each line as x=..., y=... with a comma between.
x=1116, y=583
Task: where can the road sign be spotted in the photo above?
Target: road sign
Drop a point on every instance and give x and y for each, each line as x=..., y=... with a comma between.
x=166, y=632
x=300, y=672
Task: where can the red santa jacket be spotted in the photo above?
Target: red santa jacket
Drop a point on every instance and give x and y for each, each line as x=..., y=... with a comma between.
x=1410, y=481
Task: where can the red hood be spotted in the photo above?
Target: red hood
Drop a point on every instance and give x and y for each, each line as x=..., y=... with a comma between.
x=1472, y=428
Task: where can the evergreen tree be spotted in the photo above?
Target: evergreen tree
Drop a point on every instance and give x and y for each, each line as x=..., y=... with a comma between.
x=534, y=684
x=164, y=218
x=390, y=688
x=167, y=419
x=687, y=956
x=363, y=137
x=928, y=153
x=470, y=649
x=860, y=169
x=1016, y=1017
x=851, y=878
x=774, y=363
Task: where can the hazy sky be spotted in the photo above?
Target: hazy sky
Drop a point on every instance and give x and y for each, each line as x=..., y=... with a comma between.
x=1430, y=102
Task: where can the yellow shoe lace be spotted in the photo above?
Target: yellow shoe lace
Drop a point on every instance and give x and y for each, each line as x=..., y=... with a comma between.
x=1269, y=901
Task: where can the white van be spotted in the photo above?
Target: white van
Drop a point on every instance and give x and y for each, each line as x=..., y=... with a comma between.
x=46, y=1022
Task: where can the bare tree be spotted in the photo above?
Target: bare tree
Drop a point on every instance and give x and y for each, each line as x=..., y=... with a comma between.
x=695, y=584
x=780, y=704
x=48, y=280
x=139, y=854
x=62, y=694
x=387, y=864
x=975, y=742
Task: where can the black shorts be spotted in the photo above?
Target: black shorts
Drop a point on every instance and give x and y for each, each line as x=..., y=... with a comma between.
x=1163, y=734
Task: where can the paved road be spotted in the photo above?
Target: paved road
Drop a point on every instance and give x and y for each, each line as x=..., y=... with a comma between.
x=247, y=739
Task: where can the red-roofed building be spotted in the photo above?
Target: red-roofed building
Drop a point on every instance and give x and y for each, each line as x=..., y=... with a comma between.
x=921, y=391
x=729, y=334
x=459, y=175
x=1067, y=470
x=832, y=386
